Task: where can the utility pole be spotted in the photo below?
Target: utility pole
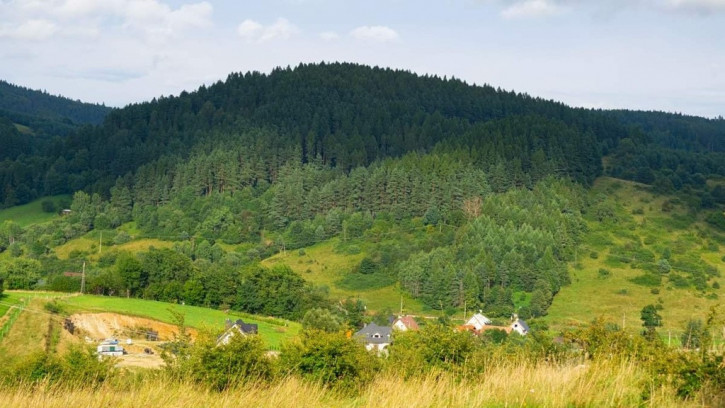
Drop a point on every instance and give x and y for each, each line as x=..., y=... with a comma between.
x=83, y=279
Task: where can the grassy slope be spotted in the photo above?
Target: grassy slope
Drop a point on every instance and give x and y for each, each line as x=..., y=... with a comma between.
x=31, y=213
x=617, y=298
x=89, y=244
x=322, y=265
x=273, y=331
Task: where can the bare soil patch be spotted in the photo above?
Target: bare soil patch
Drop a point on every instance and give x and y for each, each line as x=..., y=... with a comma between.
x=100, y=326
x=142, y=352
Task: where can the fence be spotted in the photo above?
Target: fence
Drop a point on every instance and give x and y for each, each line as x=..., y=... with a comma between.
x=13, y=314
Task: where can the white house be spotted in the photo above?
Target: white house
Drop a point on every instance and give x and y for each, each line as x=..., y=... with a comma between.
x=110, y=347
x=477, y=321
x=520, y=327
x=405, y=323
x=238, y=327
x=375, y=337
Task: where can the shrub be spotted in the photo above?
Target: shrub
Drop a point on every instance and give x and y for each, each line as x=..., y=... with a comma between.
x=321, y=319
x=48, y=206
x=648, y=279
x=79, y=365
x=121, y=238
x=220, y=367
x=329, y=358
x=695, y=335
x=594, y=255
x=678, y=281
x=604, y=273
x=655, y=291
x=53, y=307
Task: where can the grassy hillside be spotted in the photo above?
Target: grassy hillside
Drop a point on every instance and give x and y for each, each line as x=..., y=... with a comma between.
x=89, y=245
x=619, y=268
x=272, y=330
x=32, y=213
x=324, y=264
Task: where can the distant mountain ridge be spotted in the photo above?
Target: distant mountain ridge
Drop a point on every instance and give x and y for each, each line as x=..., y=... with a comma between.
x=16, y=99
x=345, y=116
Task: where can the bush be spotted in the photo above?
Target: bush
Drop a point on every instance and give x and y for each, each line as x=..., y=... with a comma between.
x=79, y=365
x=648, y=279
x=121, y=238
x=594, y=255
x=321, y=319
x=329, y=358
x=48, y=206
x=220, y=367
x=367, y=266
x=53, y=307
x=604, y=273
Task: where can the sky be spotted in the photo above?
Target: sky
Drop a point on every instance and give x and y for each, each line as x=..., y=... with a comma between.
x=635, y=54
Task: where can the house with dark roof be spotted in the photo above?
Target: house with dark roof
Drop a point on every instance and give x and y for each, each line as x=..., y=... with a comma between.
x=375, y=337
x=405, y=323
x=236, y=328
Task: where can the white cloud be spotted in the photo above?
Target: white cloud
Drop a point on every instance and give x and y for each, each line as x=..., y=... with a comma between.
x=531, y=9
x=253, y=31
x=698, y=6
x=511, y=9
x=281, y=29
x=31, y=30
x=329, y=36
x=375, y=33
x=249, y=29
x=150, y=17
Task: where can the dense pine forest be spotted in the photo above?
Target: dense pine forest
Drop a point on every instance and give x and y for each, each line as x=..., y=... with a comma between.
x=461, y=195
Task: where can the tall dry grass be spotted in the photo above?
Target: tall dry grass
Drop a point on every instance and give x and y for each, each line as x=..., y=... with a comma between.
x=606, y=384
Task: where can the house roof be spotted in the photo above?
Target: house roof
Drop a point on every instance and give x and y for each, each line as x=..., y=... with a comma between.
x=374, y=334
x=522, y=324
x=240, y=326
x=409, y=322
x=479, y=319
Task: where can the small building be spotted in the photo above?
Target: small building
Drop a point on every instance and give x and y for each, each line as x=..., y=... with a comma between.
x=234, y=328
x=477, y=321
x=520, y=327
x=405, y=323
x=65, y=211
x=110, y=347
x=375, y=337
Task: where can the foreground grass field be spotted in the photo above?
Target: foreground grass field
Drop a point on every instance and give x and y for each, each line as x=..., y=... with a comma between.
x=608, y=384
x=603, y=275
x=31, y=213
x=272, y=330
x=322, y=265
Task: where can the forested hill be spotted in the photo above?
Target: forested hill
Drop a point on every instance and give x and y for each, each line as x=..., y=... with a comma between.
x=345, y=116
x=23, y=102
x=29, y=121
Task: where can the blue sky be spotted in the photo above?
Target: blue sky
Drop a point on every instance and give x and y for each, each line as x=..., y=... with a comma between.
x=636, y=54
